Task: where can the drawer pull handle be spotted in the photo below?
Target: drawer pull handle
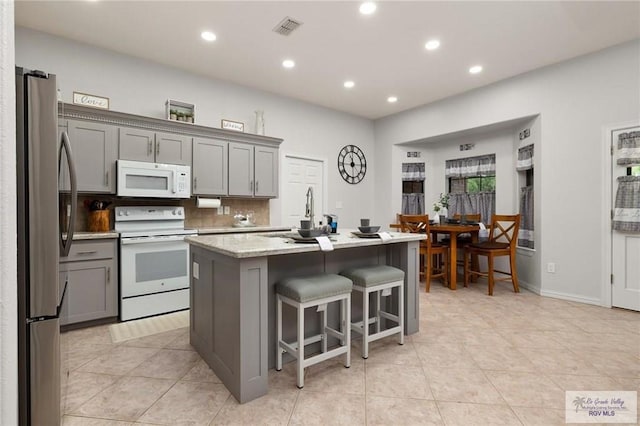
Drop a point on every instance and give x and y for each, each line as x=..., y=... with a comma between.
x=87, y=252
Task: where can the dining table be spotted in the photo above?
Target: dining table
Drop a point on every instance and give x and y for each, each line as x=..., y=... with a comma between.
x=453, y=230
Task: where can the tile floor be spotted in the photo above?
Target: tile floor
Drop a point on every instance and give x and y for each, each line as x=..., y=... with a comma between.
x=477, y=360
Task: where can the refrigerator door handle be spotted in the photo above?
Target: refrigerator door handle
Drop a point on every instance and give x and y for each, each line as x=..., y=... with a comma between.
x=65, y=246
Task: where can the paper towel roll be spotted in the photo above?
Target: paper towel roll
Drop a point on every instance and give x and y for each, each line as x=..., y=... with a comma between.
x=207, y=203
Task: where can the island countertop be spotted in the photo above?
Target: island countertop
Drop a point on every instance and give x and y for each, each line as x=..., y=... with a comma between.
x=271, y=244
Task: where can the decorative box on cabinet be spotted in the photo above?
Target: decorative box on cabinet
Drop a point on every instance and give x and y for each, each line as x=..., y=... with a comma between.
x=91, y=274
x=253, y=170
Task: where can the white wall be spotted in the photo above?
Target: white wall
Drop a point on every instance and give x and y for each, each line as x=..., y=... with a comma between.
x=8, y=266
x=575, y=99
x=141, y=87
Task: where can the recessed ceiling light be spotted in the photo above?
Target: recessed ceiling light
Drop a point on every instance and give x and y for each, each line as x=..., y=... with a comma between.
x=208, y=36
x=349, y=84
x=432, y=44
x=288, y=63
x=368, y=7
x=392, y=99
x=475, y=69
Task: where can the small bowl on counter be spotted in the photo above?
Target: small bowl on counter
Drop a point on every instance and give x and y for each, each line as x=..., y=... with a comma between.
x=368, y=229
x=310, y=233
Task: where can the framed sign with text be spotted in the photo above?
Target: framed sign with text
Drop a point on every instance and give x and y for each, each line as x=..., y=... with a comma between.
x=90, y=100
x=233, y=125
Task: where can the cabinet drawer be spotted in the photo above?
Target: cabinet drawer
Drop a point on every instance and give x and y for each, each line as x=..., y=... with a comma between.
x=90, y=250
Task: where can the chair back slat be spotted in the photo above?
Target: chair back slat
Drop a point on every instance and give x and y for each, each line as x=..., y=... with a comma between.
x=414, y=223
x=504, y=228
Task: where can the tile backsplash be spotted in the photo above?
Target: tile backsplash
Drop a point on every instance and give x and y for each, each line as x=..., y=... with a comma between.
x=195, y=217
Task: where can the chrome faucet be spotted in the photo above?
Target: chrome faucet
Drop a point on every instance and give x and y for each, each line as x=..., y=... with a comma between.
x=309, y=207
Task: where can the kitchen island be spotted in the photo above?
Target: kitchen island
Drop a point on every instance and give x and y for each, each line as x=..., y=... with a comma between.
x=233, y=281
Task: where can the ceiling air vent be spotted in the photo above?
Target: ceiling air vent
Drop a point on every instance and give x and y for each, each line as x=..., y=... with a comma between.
x=287, y=26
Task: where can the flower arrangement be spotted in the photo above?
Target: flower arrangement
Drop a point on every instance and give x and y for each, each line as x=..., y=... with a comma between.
x=442, y=203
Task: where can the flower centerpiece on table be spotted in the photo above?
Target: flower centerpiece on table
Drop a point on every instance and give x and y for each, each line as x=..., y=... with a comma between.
x=442, y=205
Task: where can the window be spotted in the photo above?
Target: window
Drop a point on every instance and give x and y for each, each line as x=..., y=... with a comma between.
x=633, y=171
x=473, y=184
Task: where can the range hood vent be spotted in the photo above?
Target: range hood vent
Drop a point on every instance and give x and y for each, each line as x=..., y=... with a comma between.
x=287, y=26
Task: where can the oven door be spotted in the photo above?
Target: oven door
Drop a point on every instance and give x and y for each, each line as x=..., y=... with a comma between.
x=153, y=264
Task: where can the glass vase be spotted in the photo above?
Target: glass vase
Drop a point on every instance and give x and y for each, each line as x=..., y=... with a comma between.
x=259, y=122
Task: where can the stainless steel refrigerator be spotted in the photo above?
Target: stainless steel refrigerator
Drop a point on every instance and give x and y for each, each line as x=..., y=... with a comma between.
x=39, y=154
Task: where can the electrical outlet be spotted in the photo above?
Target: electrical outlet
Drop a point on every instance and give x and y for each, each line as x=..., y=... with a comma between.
x=227, y=209
x=551, y=267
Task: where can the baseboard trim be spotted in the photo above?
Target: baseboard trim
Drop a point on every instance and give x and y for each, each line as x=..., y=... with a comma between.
x=530, y=287
x=570, y=297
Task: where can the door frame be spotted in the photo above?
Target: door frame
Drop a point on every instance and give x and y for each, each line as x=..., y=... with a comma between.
x=607, y=232
x=325, y=180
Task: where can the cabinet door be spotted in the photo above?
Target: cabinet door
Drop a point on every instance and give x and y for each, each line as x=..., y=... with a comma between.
x=94, y=150
x=266, y=171
x=173, y=149
x=240, y=169
x=136, y=144
x=91, y=290
x=209, y=167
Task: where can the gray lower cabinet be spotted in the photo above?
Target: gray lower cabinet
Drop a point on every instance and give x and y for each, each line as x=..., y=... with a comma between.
x=159, y=147
x=91, y=276
x=253, y=170
x=95, y=151
x=209, y=169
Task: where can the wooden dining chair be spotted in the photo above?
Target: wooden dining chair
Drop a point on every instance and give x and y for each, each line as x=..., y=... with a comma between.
x=503, y=236
x=435, y=256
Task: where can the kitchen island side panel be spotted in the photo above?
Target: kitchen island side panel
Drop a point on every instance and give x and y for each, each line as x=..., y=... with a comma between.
x=406, y=256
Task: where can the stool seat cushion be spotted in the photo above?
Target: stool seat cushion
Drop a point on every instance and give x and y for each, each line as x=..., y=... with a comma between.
x=309, y=288
x=368, y=276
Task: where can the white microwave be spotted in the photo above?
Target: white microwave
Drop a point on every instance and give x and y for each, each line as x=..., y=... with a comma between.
x=140, y=179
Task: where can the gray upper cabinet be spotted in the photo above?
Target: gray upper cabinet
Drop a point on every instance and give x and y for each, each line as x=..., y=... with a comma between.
x=145, y=145
x=95, y=151
x=240, y=169
x=253, y=170
x=266, y=171
x=209, y=169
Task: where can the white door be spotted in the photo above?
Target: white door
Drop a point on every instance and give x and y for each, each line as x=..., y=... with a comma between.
x=299, y=174
x=625, y=247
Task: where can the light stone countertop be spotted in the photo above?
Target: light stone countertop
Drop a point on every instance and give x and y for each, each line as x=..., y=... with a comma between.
x=84, y=235
x=258, y=245
x=242, y=229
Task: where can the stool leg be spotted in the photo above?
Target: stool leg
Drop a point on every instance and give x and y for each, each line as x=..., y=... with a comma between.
x=378, y=311
x=344, y=319
x=365, y=324
x=401, y=313
x=300, y=360
x=278, y=334
x=346, y=329
x=324, y=329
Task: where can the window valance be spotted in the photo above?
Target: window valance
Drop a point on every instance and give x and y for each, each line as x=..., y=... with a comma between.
x=484, y=165
x=525, y=158
x=626, y=216
x=629, y=149
x=413, y=171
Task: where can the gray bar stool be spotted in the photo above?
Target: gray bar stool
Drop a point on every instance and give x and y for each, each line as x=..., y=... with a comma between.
x=314, y=291
x=380, y=280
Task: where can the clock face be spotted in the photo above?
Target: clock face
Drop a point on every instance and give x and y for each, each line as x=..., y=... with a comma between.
x=351, y=164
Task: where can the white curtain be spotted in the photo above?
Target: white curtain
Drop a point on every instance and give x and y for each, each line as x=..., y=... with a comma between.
x=413, y=171
x=525, y=234
x=413, y=203
x=469, y=203
x=484, y=165
x=629, y=149
x=626, y=216
x=525, y=158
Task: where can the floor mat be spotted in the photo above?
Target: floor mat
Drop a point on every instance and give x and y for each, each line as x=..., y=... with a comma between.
x=147, y=326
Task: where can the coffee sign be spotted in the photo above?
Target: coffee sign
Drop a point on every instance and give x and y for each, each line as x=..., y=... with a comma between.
x=90, y=100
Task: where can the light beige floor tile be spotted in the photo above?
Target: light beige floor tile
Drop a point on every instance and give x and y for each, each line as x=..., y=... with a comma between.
x=500, y=358
x=88, y=336
x=531, y=339
x=78, y=355
x=462, y=385
x=181, y=342
x=614, y=363
x=332, y=376
x=286, y=378
x=193, y=403
x=119, y=361
x=389, y=411
x=128, y=399
x=316, y=408
x=540, y=416
x=158, y=340
x=560, y=361
x=464, y=414
x=201, y=372
x=527, y=389
x=570, y=382
x=482, y=337
x=400, y=381
x=81, y=387
x=275, y=408
x=451, y=355
x=88, y=421
x=167, y=364
x=388, y=351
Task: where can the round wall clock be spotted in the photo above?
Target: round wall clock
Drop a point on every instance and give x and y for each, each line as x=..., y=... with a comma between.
x=352, y=164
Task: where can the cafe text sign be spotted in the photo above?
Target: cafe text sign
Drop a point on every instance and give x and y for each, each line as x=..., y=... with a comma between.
x=90, y=100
